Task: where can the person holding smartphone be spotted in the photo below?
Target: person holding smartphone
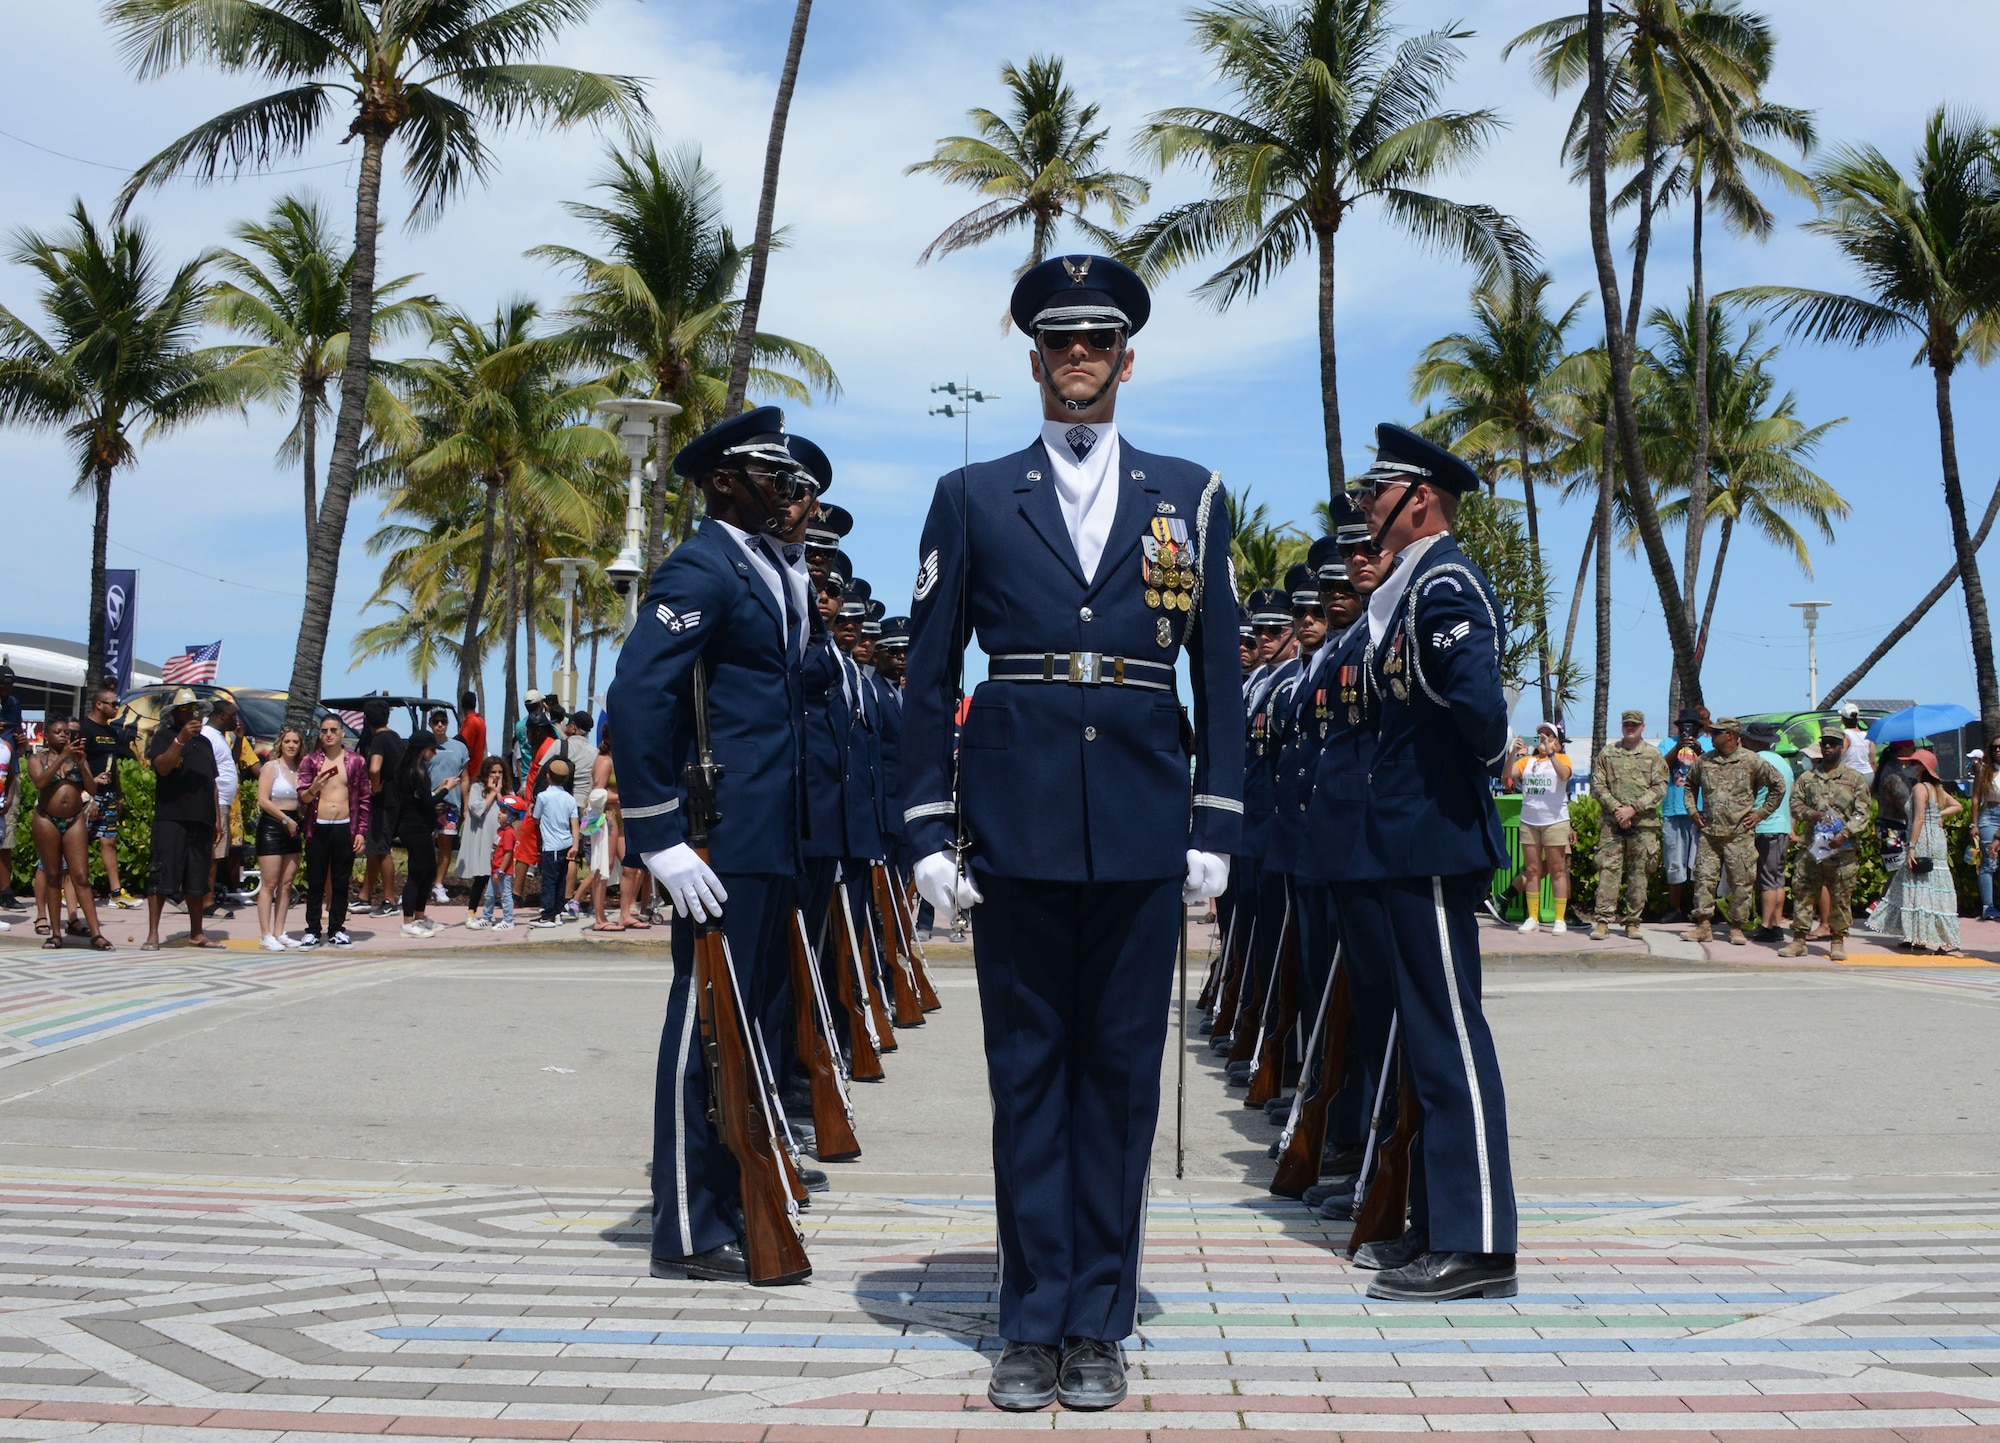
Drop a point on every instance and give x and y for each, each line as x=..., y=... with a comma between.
x=185, y=813
x=1542, y=779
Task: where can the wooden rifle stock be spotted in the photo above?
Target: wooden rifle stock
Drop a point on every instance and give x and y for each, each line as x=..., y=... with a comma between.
x=1385, y=1205
x=1211, y=987
x=1235, y=967
x=1249, y=1025
x=902, y=979
x=862, y=944
x=833, y=1116
x=906, y=931
x=1267, y=1070
x=866, y=1062
x=1300, y=1150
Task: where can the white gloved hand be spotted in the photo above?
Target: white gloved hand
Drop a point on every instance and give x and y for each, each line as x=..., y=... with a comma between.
x=690, y=884
x=1207, y=876
x=938, y=879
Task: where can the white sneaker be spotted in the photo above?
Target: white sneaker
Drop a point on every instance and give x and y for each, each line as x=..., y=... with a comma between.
x=545, y=922
x=414, y=929
x=1533, y=924
x=503, y=926
x=272, y=944
x=1559, y=926
x=438, y=894
x=287, y=940
x=477, y=924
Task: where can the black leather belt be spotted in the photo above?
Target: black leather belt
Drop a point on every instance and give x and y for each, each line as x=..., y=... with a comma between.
x=1081, y=668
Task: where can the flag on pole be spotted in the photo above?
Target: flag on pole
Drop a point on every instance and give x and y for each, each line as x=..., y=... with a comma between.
x=196, y=664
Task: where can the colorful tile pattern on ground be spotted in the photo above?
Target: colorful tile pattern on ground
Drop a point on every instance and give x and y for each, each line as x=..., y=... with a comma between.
x=191, y=1307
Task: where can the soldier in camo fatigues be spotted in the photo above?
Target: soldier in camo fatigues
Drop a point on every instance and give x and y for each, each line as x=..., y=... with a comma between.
x=1830, y=789
x=1630, y=774
x=1728, y=779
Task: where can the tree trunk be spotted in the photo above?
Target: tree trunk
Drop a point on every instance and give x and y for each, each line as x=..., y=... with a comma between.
x=1541, y=594
x=468, y=657
x=528, y=604
x=1903, y=628
x=100, y=541
x=767, y=204
x=1329, y=372
x=1697, y=512
x=1576, y=599
x=1600, y=712
x=1679, y=633
x=309, y=447
x=1976, y=618
x=590, y=697
x=656, y=504
x=512, y=695
x=323, y=564
x=1715, y=580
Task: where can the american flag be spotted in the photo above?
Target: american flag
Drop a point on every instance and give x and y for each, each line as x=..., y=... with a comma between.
x=196, y=664
x=354, y=719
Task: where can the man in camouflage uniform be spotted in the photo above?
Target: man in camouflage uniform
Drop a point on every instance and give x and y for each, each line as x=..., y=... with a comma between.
x=1629, y=781
x=1728, y=780
x=1830, y=790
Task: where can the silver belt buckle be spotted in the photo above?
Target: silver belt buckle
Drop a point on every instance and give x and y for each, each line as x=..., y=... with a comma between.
x=1084, y=667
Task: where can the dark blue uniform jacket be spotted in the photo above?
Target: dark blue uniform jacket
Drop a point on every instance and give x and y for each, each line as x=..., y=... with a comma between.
x=841, y=811
x=1065, y=781
x=1336, y=785
x=1260, y=757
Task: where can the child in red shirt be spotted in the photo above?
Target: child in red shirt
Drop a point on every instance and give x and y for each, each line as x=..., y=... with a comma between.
x=506, y=851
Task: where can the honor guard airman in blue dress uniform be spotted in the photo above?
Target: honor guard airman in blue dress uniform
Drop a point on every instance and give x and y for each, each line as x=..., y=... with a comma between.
x=1421, y=860
x=732, y=599
x=1084, y=567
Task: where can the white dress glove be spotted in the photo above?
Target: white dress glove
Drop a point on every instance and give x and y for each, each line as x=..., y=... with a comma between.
x=689, y=882
x=1207, y=876
x=939, y=881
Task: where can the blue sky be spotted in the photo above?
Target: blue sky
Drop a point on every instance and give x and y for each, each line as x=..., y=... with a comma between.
x=213, y=523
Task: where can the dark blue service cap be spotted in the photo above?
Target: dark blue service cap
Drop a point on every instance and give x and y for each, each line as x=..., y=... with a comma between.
x=1402, y=455
x=871, y=624
x=756, y=435
x=1075, y=291
x=855, y=602
x=895, y=632
x=1243, y=627
x=1302, y=583
x=828, y=525
x=1270, y=606
x=839, y=572
x=1328, y=559
x=808, y=455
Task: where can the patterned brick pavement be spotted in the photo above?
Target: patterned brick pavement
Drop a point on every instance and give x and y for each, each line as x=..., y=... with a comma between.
x=183, y=1308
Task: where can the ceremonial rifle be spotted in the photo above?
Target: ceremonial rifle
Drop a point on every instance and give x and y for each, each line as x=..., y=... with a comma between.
x=833, y=1111
x=870, y=990
x=1212, y=984
x=1383, y=1209
x=1303, y=1141
x=1234, y=966
x=902, y=979
x=906, y=937
x=1249, y=1028
x=866, y=1063
x=1267, y=1068
x=738, y=1103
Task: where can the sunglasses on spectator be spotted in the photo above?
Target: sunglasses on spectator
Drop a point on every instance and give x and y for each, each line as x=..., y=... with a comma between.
x=1100, y=338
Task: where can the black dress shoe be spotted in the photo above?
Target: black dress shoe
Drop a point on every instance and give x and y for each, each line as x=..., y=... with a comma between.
x=1278, y=1109
x=1338, y=1209
x=814, y=1179
x=1333, y=1161
x=1207, y=1026
x=1092, y=1376
x=1338, y=1185
x=1024, y=1379
x=1222, y=1042
x=1435, y=1277
x=1239, y=1073
x=1406, y=1249
x=725, y=1264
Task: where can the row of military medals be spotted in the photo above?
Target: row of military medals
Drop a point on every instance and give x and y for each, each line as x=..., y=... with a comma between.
x=1394, y=665
x=1168, y=571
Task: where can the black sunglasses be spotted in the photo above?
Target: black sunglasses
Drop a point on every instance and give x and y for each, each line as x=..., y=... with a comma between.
x=1103, y=338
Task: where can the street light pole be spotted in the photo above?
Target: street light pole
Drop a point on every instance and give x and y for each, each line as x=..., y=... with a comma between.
x=565, y=679
x=1811, y=610
x=636, y=421
x=965, y=396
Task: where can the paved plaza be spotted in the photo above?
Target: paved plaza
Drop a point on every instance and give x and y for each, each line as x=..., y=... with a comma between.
x=246, y=1196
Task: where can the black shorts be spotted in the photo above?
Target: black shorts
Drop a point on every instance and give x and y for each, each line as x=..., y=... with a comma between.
x=274, y=839
x=183, y=853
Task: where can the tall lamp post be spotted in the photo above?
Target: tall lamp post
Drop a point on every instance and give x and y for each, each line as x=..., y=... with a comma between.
x=1811, y=610
x=965, y=397
x=637, y=420
x=564, y=682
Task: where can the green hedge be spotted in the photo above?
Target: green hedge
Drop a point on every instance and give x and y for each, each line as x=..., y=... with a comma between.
x=135, y=830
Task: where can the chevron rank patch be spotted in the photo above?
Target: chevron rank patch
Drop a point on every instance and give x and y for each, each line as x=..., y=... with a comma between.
x=927, y=576
x=677, y=621
x=1446, y=640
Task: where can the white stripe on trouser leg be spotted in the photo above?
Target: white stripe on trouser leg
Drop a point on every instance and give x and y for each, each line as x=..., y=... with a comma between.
x=680, y=1126
x=1471, y=1072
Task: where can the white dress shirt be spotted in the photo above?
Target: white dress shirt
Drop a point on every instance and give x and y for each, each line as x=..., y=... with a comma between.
x=1389, y=595
x=782, y=569
x=1086, y=490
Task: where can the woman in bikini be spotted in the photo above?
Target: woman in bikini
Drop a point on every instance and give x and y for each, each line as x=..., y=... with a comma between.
x=61, y=836
x=278, y=843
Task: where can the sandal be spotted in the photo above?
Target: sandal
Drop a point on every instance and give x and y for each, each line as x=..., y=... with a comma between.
x=638, y=924
x=100, y=942
x=608, y=927
x=149, y=946
x=52, y=944
x=41, y=928
x=203, y=940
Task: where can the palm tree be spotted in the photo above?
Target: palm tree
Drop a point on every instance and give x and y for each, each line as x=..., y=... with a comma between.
x=1758, y=447
x=742, y=353
x=1032, y=167
x=431, y=75
x=660, y=308
x=501, y=409
x=288, y=292
x=1331, y=110
x=1928, y=250
x=419, y=632
x=116, y=354
x=1511, y=390
x=1260, y=551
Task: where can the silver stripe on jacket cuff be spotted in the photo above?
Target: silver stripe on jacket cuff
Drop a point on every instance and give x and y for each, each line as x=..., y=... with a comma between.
x=672, y=804
x=931, y=809
x=1221, y=804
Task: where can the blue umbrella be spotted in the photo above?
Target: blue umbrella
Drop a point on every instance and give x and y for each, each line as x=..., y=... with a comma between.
x=1915, y=722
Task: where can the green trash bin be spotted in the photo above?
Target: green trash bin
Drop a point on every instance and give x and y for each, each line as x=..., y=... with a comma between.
x=1513, y=904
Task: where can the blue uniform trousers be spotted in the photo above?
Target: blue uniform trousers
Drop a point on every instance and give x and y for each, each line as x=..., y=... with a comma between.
x=1415, y=941
x=696, y=1201
x=1074, y=987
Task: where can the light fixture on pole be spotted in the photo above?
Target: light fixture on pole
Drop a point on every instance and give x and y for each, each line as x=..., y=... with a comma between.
x=1811, y=610
x=564, y=681
x=637, y=420
x=965, y=397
